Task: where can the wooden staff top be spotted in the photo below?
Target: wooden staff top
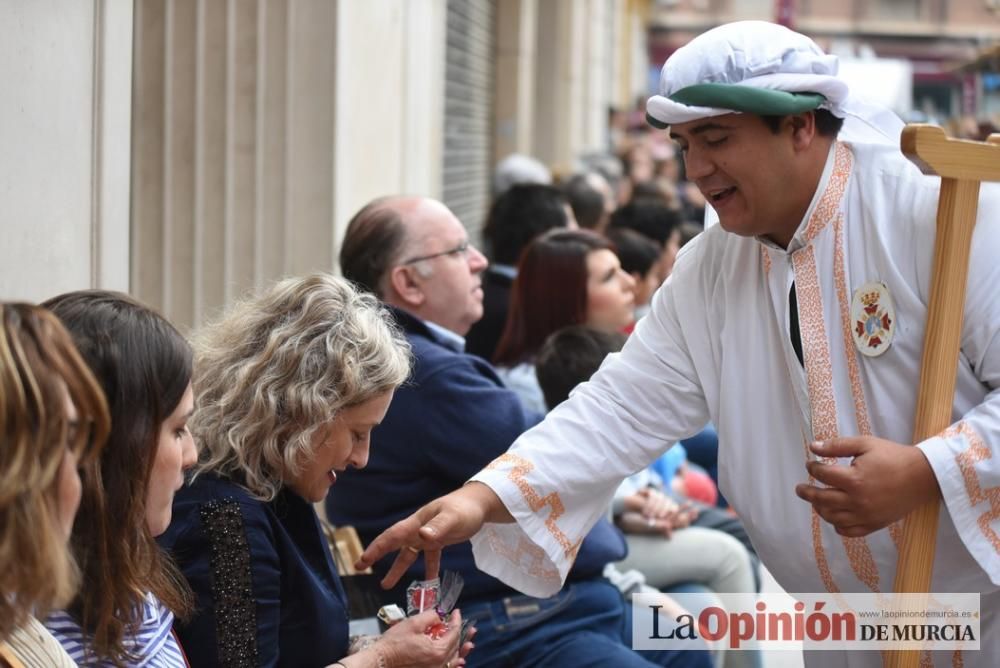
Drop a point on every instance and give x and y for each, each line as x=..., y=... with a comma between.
x=936, y=154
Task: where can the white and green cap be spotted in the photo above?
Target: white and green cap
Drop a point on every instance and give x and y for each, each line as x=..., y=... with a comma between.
x=761, y=68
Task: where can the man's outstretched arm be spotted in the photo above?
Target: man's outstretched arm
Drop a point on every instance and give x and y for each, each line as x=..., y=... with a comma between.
x=453, y=518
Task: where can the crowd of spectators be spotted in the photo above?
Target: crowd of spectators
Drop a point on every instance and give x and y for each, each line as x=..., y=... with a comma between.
x=163, y=490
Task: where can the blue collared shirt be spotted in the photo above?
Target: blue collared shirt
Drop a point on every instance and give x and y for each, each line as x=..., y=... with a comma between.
x=447, y=337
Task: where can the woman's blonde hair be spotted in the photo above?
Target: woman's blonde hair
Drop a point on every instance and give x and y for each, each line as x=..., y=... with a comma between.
x=280, y=365
x=39, y=368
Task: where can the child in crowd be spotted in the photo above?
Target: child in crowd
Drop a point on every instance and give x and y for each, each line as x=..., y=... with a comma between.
x=640, y=257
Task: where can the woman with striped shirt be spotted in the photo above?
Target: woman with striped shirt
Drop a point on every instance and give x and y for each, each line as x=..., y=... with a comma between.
x=123, y=615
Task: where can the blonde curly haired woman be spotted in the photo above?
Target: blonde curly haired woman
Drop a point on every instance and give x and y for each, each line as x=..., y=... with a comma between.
x=53, y=419
x=290, y=383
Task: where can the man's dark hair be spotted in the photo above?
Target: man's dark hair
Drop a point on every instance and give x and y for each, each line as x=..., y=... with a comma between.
x=374, y=238
x=586, y=201
x=521, y=214
x=652, y=219
x=637, y=252
x=569, y=357
x=827, y=125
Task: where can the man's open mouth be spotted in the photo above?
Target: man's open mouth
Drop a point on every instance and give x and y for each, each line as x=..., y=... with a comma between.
x=716, y=196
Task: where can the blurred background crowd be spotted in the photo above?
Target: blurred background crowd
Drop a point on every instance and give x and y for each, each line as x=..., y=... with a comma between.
x=186, y=151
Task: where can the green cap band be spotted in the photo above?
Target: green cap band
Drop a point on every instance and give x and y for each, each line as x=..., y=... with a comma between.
x=656, y=122
x=749, y=99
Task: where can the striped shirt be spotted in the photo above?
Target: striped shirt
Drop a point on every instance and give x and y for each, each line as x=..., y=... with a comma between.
x=154, y=646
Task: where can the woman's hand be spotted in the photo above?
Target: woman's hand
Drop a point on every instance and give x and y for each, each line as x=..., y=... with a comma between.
x=658, y=505
x=634, y=523
x=687, y=513
x=651, y=503
x=407, y=644
x=676, y=517
x=635, y=502
x=454, y=518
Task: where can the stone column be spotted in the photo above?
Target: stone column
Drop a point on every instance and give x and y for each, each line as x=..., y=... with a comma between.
x=515, y=77
x=65, y=72
x=261, y=126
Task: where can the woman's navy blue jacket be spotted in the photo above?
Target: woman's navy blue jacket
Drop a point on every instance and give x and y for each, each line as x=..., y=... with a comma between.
x=266, y=589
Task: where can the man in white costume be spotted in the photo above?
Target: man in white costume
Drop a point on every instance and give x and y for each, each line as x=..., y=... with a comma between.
x=796, y=327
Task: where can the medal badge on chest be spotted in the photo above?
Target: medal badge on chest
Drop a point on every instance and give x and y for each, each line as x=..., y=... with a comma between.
x=873, y=319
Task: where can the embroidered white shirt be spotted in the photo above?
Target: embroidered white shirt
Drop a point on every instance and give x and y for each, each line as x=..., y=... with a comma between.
x=716, y=347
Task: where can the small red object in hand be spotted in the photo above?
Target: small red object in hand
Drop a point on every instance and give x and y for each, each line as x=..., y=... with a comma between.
x=438, y=595
x=437, y=631
x=422, y=597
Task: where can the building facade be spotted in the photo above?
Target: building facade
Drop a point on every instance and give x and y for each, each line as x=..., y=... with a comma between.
x=189, y=150
x=934, y=36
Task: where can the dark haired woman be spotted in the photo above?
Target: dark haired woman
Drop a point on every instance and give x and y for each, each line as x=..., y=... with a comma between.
x=565, y=277
x=123, y=615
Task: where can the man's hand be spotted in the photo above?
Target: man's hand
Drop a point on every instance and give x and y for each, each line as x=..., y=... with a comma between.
x=454, y=518
x=885, y=482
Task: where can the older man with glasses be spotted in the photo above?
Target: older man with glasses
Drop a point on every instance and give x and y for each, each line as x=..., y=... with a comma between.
x=449, y=420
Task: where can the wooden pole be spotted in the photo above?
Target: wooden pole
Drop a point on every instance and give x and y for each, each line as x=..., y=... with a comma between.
x=962, y=165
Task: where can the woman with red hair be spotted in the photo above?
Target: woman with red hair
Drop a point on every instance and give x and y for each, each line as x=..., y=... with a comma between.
x=565, y=277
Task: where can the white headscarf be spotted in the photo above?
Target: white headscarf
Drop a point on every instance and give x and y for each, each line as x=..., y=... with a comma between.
x=768, y=56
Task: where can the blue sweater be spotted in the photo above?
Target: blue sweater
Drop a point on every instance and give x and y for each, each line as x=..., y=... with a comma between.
x=452, y=418
x=266, y=589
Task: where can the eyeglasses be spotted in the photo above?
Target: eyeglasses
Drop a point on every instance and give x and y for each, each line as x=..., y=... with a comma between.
x=461, y=249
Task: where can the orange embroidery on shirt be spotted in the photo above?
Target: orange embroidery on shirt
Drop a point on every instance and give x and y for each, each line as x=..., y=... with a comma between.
x=927, y=662
x=525, y=555
x=821, y=562
x=850, y=352
x=967, y=460
x=766, y=259
x=519, y=468
x=817, y=360
x=815, y=351
x=896, y=533
x=819, y=377
x=862, y=561
x=829, y=202
x=819, y=370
